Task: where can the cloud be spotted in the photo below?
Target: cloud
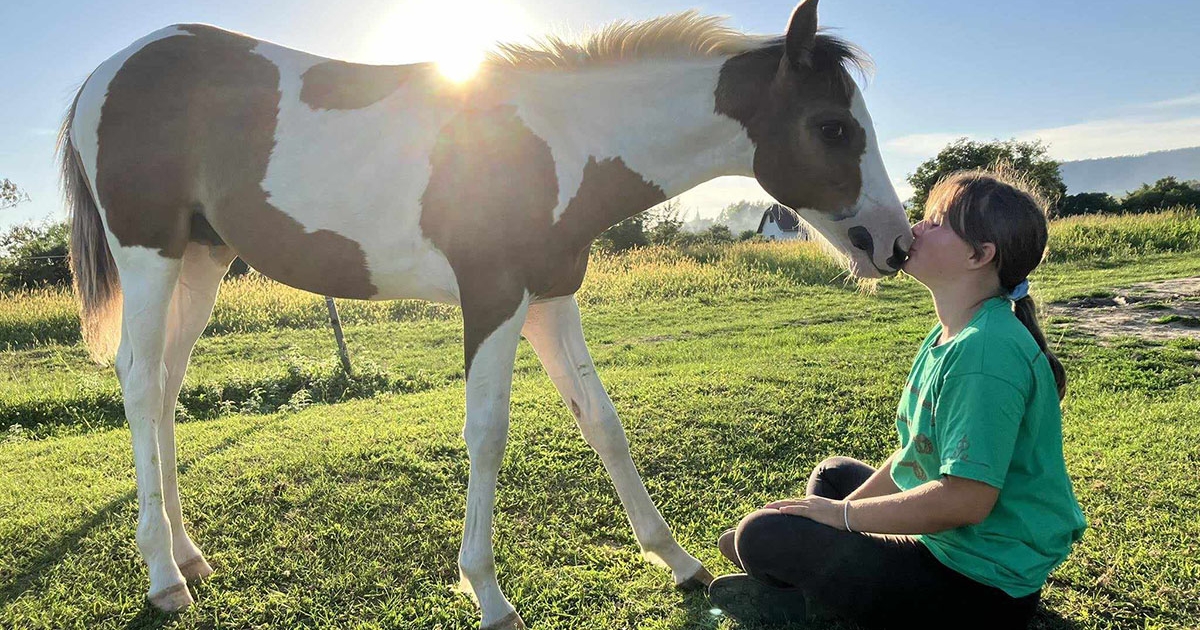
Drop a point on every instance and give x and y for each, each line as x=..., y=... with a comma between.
x=710, y=197
x=903, y=189
x=1117, y=136
x=1183, y=101
x=921, y=144
x=1130, y=135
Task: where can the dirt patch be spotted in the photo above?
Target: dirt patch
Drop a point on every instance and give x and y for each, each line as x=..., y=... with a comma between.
x=1154, y=311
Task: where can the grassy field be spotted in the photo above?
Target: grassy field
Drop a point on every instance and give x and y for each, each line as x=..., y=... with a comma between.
x=331, y=501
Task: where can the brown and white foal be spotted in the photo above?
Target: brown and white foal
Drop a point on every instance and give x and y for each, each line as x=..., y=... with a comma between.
x=195, y=145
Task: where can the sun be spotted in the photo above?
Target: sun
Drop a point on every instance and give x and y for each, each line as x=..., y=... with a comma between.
x=459, y=67
x=456, y=34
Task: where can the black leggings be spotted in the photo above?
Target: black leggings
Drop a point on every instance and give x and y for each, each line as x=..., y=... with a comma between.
x=876, y=580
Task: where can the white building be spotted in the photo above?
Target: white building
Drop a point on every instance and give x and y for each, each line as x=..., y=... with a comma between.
x=780, y=223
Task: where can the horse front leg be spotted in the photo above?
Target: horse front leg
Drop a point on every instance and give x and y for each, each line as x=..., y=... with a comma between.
x=554, y=330
x=490, y=356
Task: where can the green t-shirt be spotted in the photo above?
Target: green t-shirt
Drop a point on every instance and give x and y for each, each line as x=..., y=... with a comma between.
x=984, y=406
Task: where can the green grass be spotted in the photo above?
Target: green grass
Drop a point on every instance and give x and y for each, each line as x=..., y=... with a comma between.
x=254, y=304
x=1183, y=320
x=734, y=371
x=1131, y=236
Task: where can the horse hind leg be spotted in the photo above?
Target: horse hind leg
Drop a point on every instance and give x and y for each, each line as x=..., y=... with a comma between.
x=148, y=282
x=191, y=306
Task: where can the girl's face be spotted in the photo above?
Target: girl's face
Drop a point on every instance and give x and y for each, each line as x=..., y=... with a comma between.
x=937, y=254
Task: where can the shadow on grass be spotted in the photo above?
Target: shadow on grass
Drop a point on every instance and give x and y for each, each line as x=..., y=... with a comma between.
x=315, y=383
x=700, y=611
x=150, y=617
x=1047, y=619
x=54, y=553
x=701, y=616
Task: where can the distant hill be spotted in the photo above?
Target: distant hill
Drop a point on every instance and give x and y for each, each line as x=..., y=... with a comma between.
x=1118, y=175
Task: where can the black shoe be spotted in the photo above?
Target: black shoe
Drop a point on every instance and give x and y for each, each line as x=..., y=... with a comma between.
x=747, y=600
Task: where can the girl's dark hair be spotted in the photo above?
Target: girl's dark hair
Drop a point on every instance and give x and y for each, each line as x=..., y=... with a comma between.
x=996, y=206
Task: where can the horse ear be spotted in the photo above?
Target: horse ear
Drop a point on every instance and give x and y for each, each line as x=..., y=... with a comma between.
x=801, y=34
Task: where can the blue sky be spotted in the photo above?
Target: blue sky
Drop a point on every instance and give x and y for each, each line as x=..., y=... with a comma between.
x=1094, y=79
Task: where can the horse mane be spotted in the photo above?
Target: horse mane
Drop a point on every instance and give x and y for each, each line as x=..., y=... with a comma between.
x=686, y=34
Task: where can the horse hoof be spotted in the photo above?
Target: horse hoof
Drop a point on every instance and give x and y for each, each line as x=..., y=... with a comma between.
x=511, y=622
x=698, y=582
x=195, y=569
x=173, y=599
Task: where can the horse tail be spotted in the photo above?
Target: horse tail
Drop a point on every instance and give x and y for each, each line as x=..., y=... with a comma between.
x=97, y=284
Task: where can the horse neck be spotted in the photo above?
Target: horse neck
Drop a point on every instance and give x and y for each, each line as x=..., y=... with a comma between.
x=657, y=115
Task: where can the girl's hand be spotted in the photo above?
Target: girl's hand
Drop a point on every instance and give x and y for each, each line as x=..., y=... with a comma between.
x=822, y=510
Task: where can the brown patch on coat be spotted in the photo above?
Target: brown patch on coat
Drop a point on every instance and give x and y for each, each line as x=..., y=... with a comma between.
x=338, y=84
x=783, y=108
x=610, y=192
x=489, y=208
x=185, y=136
x=492, y=186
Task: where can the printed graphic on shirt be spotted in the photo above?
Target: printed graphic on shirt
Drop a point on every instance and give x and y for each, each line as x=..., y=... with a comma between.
x=917, y=470
x=960, y=449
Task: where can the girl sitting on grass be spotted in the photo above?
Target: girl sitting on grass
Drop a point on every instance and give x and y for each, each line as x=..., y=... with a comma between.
x=961, y=526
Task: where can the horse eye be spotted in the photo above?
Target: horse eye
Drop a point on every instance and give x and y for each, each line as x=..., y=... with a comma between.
x=833, y=131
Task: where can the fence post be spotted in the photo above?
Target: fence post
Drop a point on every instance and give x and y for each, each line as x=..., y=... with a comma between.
x=336, y=322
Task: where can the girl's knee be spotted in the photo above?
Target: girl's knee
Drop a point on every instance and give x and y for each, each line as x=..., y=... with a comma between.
x=774, y=547
x=760, y=534
x=837, y=476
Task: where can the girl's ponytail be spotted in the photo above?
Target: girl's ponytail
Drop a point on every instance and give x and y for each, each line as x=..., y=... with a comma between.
x=1026, y=311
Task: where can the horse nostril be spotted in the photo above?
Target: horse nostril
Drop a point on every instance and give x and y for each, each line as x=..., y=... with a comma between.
x=899, y=255
x=860, y=238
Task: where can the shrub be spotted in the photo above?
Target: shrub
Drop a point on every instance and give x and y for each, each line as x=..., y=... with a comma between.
x=1088, y=203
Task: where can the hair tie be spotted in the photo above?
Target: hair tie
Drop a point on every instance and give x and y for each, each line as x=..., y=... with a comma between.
x=1019, y=291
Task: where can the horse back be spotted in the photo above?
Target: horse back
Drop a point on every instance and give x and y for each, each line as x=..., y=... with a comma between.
x=212, y=136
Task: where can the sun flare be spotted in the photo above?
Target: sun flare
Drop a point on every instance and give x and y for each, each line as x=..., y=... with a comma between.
x=459, y=68
x=455, y=34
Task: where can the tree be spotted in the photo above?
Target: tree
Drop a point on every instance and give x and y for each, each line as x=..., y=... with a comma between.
x=1027, y=159
x=1165, y=193
x=742, y=215
x=665, y=232
x=34, y=256
x=1088, y=203
x=10, y=195
x=664, y=223
x=627, y=234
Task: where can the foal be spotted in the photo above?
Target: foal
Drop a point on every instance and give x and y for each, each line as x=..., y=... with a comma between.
x=195, y=145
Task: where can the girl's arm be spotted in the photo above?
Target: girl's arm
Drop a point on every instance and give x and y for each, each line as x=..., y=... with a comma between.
x=879, y=484
x=931, y=507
